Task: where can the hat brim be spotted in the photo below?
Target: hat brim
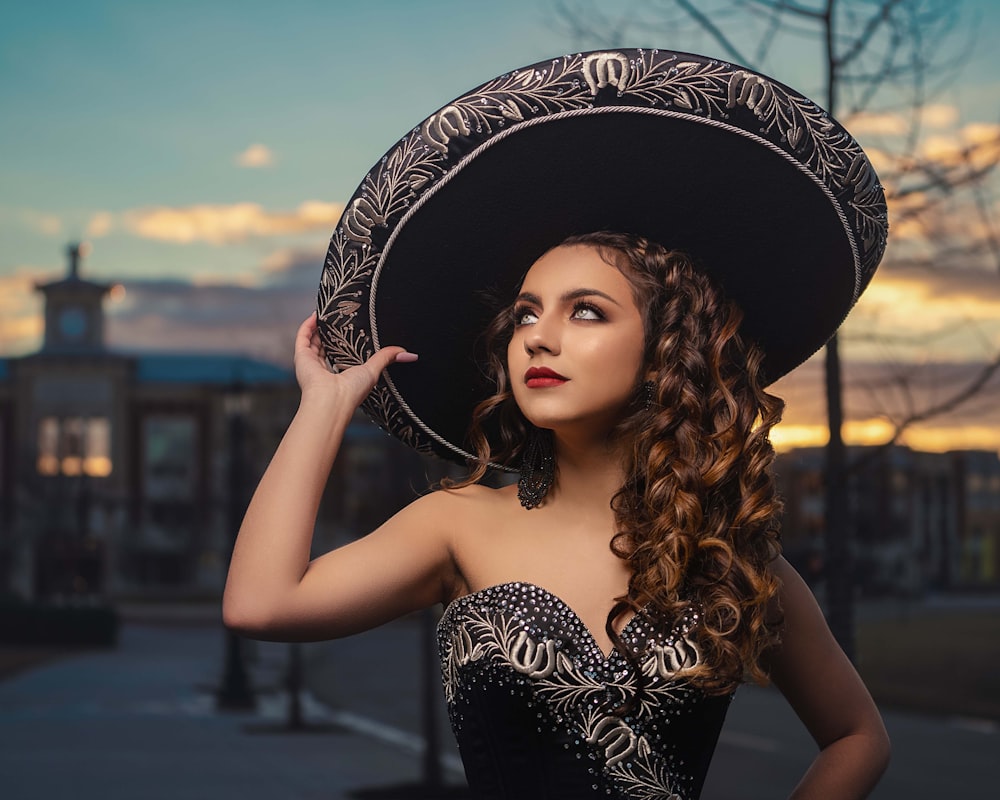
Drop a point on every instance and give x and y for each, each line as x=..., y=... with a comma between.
x=771, y=229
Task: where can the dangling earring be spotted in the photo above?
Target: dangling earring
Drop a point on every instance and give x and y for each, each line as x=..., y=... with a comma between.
x=537, y=468
x=648, y=394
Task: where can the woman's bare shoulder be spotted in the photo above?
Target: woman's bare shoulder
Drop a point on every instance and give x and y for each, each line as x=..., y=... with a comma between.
x=792, y=587
x=460, y=504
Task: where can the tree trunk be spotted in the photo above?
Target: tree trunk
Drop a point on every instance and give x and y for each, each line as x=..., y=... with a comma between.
x=839, y=591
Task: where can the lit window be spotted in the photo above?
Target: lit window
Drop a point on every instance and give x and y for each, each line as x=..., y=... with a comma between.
x=71, y=458
x=97, y=450
x=74, y=446
x=48, y=446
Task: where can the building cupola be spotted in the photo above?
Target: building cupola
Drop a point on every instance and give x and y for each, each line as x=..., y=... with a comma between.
x=74, y=313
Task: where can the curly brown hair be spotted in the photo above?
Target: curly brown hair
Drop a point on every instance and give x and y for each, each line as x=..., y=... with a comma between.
x=698, y=514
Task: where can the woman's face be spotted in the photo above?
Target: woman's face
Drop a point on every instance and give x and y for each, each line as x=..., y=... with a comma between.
x=575, y=358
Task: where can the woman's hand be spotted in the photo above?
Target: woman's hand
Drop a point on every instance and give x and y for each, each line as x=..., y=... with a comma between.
x=350, y=386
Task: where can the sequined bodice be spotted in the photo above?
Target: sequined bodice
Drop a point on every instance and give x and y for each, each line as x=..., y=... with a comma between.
x=531, y=699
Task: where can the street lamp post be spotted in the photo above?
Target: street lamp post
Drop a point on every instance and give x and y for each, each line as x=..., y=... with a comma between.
x=235, y=693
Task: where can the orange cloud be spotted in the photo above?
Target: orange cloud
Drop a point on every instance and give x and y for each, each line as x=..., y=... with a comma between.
x=100, y=224
x=891, y=123
x=939, y=115
x=930, y=438
x=48, y=224
x=976, y=144
x=866, y=122
x=855, y=432
x=218, y=224
x=20, y=311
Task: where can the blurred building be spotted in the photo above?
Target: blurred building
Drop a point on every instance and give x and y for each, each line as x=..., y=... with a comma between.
x=115, y=467
x=919, y=520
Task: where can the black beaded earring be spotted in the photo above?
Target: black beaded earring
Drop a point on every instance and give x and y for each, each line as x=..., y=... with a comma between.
x=538, y=466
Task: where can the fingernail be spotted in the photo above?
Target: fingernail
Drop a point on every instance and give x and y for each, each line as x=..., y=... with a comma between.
x=405, y=357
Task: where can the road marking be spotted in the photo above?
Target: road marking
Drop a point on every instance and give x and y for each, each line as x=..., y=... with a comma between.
x=275, y=707
x=390, y=735
x=975, y=724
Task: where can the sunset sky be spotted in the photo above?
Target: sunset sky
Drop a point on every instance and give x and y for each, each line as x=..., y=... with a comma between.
x=204, y=151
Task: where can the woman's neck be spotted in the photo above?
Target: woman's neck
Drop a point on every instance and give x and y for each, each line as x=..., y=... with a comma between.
x=588, y=474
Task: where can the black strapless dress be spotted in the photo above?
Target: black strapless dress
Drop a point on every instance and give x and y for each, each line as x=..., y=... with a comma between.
x=530, y=697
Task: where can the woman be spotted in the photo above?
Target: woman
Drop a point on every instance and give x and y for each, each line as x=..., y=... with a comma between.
x=600, y=614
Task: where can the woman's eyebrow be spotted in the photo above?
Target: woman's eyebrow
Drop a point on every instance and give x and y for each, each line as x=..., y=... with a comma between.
x=576, y=294
x=573, y=294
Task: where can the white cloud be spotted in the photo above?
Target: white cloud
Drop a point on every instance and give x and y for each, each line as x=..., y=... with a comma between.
x=256, y=155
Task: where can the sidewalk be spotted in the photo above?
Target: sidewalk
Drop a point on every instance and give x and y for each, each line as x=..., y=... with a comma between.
x=140, y=722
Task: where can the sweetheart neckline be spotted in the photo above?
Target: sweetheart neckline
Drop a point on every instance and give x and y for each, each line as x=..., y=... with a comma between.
x=591, y=639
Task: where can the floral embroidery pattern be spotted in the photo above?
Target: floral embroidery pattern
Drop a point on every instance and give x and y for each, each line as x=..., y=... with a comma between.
x=686, y=86
x=571, y=684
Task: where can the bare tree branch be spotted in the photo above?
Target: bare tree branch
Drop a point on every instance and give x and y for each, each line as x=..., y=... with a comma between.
x=992, y=238
x=785, y=6
x=863, y=39
x=953, y=402
x=713, y=31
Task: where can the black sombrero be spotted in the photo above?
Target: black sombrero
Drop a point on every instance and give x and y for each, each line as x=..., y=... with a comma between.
x=766, y=191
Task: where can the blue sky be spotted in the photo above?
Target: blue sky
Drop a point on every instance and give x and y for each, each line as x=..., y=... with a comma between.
x=203, y=148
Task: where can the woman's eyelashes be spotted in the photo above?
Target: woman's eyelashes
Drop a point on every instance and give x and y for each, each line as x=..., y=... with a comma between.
x=525, y=315
x=587, y=311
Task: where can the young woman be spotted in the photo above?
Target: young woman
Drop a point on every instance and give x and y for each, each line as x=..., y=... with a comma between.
x=599, y=614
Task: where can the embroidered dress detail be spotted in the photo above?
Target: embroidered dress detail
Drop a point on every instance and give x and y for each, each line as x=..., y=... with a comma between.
x=532, y=700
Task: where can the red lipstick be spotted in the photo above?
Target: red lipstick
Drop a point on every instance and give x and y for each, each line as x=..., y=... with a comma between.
x=543, y=377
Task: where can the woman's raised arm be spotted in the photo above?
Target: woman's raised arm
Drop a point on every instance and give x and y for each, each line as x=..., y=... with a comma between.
x=272, y=590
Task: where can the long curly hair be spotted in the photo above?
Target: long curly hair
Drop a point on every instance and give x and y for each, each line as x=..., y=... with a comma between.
x=698, y=514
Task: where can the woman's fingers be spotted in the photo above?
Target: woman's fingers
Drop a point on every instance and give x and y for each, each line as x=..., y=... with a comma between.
x=312, y=370
x=307, y=335
x=385, y=356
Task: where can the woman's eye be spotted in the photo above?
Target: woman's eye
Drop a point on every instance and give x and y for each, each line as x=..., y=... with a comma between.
x=524, y=316
x=586, y=312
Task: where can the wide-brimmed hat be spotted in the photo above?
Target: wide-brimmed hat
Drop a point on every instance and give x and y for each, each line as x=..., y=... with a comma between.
x=760, y=185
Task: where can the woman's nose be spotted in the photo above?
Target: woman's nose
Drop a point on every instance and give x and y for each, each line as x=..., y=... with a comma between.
x=541, y=337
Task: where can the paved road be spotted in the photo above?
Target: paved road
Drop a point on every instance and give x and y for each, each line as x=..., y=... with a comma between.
x=140, y=722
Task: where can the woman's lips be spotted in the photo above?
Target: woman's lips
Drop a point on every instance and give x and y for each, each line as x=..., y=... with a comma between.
x=541, y=383
x=543, y=377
